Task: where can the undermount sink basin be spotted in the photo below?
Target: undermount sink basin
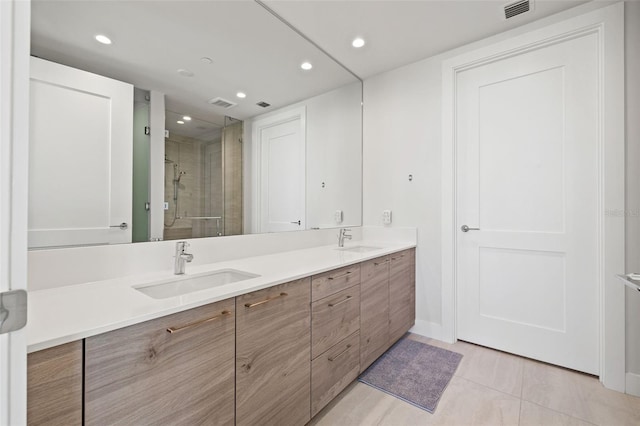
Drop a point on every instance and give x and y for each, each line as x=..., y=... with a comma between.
x=359, y=249
x=190, y=283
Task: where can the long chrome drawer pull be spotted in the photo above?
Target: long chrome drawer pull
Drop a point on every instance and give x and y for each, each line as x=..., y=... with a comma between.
x=380, y=263
x=333, y=358
x=268, y=299
x=331, y=305
x=340, y=276
x=193, y=324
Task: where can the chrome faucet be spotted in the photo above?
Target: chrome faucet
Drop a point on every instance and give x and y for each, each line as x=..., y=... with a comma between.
x=182, y=257
x=343, y=235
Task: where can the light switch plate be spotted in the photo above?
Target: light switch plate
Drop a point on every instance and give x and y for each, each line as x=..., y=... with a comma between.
x=386, y=217
x=338, y=216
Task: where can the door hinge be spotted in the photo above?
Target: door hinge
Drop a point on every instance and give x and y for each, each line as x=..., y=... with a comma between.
x=13, y=310
x=147, y=130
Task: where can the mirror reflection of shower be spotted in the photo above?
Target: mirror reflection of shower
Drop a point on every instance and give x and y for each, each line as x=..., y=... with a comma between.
x=203, y=179
x=177, y=174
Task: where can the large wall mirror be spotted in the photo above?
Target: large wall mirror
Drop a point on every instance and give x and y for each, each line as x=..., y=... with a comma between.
x=186, y=119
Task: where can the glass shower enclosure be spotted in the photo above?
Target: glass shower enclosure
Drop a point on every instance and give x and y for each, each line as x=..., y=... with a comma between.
x=203, y=178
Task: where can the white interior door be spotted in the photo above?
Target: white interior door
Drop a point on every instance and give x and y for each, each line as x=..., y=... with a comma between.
x=527, y=177
x=14, y=136
x=282, y=175
x=81, y=157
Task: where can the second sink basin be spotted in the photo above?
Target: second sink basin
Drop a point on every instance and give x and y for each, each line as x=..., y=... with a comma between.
x=189, y=283
x=359, y=249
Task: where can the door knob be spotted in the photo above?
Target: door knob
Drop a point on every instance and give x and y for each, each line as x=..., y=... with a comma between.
x=465, y=228
x=297, y=223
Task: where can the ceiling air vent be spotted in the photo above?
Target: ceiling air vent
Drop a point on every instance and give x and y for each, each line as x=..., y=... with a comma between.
x=263, y=104
x=222, y=103
x=517, y=8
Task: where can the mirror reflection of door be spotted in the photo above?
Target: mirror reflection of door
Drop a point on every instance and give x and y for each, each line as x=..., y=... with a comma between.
x=282, y=173
x=80, y=157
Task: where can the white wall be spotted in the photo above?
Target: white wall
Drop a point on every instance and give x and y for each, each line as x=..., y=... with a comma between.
x=333, y=156
x=402, y=135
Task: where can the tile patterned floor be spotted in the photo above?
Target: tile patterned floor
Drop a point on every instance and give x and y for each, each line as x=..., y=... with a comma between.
x=492, y=388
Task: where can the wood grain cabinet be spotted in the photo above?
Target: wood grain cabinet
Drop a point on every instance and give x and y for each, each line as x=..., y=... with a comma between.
x=335, y=338
x=177, y=369
x=54, y=386
x=330, y=282
x=273, y=355
x=276, y=356
x=374, y=309
x=333, y=370
x=401, y=294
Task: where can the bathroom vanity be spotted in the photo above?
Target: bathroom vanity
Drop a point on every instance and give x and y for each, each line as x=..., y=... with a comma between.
x=273, y=349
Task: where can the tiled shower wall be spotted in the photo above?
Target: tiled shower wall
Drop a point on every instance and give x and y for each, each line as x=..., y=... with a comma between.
x=200, y=188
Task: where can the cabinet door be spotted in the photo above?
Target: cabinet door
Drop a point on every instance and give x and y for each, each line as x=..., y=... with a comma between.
x=273, y=349
x=177, y=369
x=401, y=290
x=374, y=310
x=54, y=386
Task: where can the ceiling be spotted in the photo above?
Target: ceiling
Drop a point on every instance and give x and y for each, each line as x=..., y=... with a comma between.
x=401, y=32
x=251, y=50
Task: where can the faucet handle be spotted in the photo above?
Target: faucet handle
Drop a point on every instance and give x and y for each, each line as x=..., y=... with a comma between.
x=181, y=246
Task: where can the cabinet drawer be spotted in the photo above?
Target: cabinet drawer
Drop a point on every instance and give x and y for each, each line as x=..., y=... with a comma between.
x=403, y=259
x=334, y=318
x=332, y=371
x=328, y=283
x=177, y=369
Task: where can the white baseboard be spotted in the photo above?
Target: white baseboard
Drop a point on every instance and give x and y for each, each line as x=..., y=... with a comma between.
x=633, y=384
x=427, y=329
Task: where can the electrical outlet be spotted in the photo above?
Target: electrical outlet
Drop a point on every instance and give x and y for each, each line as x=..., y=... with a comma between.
x=338, y=216
x=386, y=217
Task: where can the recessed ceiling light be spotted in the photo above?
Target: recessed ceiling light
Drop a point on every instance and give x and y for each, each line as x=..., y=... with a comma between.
x=185, y=73
x=306, y=66
x=357, y=42
x=241, y=95
x=186, y=118
x=103, y=39
x=180, y=122
x=206, y=60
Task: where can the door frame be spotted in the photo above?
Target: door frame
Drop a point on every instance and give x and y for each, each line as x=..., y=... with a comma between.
x=15, y=23
x=261, y=123
x=608, y=24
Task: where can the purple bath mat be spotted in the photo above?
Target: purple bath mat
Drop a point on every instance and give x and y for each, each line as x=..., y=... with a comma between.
x=413, y=372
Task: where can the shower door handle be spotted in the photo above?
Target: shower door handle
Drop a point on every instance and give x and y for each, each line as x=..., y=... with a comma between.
x=122, y=226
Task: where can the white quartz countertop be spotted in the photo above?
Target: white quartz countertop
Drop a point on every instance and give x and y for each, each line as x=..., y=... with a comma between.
x=64, y=314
